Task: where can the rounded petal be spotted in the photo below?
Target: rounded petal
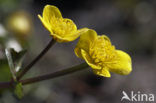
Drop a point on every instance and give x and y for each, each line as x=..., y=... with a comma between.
x=106, y=38
x=82, y=31
x=75, y=35
x=49, y=12
x=68, y=26
x=70, y=37
x=78, y=52
x=45, y=24
x=89, y=61
x=104, y=72
x=86, y=39
x=64, y=39
x=122, y=65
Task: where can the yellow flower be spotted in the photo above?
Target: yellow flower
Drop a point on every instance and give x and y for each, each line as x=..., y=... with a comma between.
x=101, y=56
x=62, y=29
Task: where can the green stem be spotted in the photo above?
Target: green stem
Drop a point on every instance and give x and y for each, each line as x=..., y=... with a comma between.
x=47, y=76
x=55, y=74
x=28, y=67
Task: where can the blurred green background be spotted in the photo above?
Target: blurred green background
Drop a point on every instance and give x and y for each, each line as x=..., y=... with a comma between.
x=130, y=24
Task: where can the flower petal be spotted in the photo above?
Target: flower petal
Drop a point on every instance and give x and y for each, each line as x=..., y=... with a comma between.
x=122, y=65
x=104, y=72
x=86, y=39
x=49, y=12
x=69, y=38
x=89, y=60
x=68, y=26
x=75, y=35
x=45, y=24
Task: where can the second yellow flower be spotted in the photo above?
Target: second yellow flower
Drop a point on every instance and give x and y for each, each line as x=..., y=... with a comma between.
x=62, y=29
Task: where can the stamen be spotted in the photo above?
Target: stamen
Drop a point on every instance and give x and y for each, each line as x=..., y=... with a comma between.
x=102, y=51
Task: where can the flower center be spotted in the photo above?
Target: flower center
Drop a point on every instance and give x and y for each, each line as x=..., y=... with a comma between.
x=102, y=51
x=63, y=27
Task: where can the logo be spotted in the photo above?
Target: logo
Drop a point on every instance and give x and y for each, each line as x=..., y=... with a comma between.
x=138, y=96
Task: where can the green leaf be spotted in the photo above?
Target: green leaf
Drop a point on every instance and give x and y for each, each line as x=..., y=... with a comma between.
x=10, y=62
x=15, y=60
x=18, y=58
x=19, y=90
x=5, y=74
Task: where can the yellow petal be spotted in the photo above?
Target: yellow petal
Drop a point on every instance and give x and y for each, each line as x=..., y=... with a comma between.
x=70, y=37
x=104, y=72
x=45, y=24
x=122, y=65
x=48, y=13
x=89, y=61
x=75, y=35
x=51, y=11
x=82, y=31
x=106, y=38
x=68, y=26
x=86, y=39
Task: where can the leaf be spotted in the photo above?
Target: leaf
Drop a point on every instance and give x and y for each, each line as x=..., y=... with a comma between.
x=19, y=90
x=18, y=58
x=5, y=74
x=10, y=62
x=15, y=60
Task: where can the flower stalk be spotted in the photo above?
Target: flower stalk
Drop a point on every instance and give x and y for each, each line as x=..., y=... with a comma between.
x=47, y=76
x=28, y=67
x=55, y=74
